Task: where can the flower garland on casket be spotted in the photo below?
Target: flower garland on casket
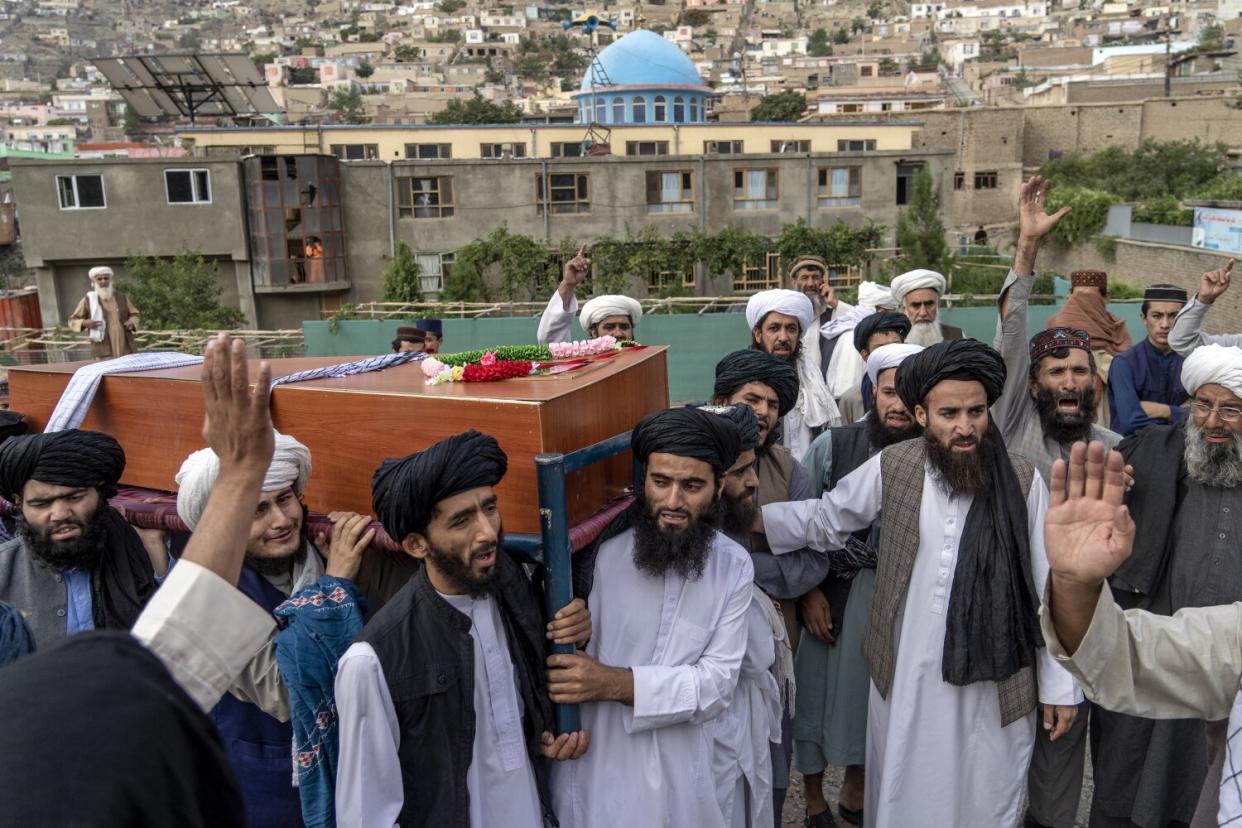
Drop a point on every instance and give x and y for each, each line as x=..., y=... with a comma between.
x=509, y=361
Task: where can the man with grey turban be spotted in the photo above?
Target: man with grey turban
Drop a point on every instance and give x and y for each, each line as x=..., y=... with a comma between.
x=280, y=561
x=952, y=642
x=471, y=746
x=76, y=565
x=669, y=597
x=779, y=320
x=609, y=315
x=107, y=316
x=1187, y=491
x=917, y=294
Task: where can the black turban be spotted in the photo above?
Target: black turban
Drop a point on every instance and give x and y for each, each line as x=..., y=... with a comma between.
x=741, y=367
x=688, y=432
x=405, y=490
x=957, y=359
x=743, y=417
x=880, y=322
x=60, y=458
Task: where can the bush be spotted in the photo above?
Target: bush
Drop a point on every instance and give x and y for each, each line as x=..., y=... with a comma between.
x=1165, y=209
x=178, y=294
x=401, y=277
x=1225, y=188
x=1086, y=219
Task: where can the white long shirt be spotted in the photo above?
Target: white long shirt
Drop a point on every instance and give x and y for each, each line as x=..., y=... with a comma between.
x=936, y=753
x=651, y=764
x=556, y=323
x=500, y=779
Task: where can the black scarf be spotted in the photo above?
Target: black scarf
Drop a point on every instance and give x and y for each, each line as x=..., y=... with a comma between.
x=95, y=732
x=992, y=630
x=124, y=580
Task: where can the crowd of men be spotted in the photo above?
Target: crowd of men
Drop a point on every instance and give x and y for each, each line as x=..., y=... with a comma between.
x=880, y=546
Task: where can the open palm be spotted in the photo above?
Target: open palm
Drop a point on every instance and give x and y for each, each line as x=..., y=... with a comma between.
x=1088, y=533
x=1034, y=222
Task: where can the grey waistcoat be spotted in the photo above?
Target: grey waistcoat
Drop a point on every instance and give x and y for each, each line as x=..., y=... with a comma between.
x=36, y=591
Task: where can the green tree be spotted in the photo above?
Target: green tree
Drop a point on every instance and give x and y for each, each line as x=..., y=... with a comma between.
x=1086, y=219
x=817, y=44
x=446, y=36
x=532, y=67
x=1225, y=188
x=1164, y=209
x=929, y=61
x=347, y=103
x=364, y=69
x=178, y=294
x=476, y=110
x=1155, y=168
x=406, y=53
x=451, y=6
x=889, y=68
x=695, y=17
x=859, y=24
x=841, y=37
x=781, y=106
x=920, y=229
x=876, y=10
x=1212, y=38
x=401, y=277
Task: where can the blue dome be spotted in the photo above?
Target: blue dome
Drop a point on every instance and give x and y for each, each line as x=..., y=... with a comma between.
x=641, y=58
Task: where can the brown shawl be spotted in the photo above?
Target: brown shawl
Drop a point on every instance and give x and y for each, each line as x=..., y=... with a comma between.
x=1086, y=311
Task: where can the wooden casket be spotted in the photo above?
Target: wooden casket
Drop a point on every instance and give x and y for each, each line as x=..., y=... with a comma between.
x=352, y=423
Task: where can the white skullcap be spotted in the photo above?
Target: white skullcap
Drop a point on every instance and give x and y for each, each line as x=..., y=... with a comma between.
x=871, y=295
x=888, y=356
x=290, y=468
x=916, y=280
x=102, y=270
x=602, y=307
x=1213, y=365
x=789, y=302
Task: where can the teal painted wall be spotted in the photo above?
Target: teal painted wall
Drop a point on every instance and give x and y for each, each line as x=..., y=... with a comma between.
x=696, y=342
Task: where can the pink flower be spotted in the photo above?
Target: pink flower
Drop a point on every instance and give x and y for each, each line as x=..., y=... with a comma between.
x=488, y=359
x=431, y=367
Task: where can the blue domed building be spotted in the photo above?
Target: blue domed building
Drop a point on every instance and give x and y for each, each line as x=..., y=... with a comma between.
x=642, y=78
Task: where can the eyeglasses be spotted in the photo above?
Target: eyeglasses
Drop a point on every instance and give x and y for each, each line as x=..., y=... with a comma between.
x=1227, y=413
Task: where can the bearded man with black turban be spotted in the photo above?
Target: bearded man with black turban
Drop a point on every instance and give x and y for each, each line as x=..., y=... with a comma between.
x=76, y=564
x=442, y=699
x=952, y=642
x=669, y=597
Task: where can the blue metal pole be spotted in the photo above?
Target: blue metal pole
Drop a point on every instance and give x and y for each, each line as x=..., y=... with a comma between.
x=558, y=583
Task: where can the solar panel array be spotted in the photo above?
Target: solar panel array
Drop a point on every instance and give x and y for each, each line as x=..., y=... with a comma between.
x=190, y=86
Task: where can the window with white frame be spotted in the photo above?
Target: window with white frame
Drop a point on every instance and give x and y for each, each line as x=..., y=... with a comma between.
x=80, y=192
x=433, y=270
x=187, y=186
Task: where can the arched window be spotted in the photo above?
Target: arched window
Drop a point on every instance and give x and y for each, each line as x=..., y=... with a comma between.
x=601, y=109
x=659, y=110
x=694, y=110
x=640, y=109
x=679, y=110
x=618, y=110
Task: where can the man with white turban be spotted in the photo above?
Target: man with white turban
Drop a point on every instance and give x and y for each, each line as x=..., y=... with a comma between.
x=280, y=560
x=830, y=673
x=107, y=317
x=608, y=315
x=917, y=294
x=848, y=364
x=777, y=320
x=1186, y=499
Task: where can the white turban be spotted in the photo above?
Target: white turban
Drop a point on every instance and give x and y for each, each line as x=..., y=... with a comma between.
x=602, y=307
x=1213, y=365
x=916, y=280
x=871, y=295
x=888, y=356
x=99, y=271
x=789, y=302
x=290, y=468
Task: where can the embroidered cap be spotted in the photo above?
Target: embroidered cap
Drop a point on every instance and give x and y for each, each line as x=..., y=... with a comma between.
x=1054, y=339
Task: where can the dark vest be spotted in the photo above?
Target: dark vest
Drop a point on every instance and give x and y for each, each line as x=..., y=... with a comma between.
x=902, y=469
x=851, y=447
x=260, y=747
x=425, y=649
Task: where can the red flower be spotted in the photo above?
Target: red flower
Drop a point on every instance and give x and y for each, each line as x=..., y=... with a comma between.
x=498, y=370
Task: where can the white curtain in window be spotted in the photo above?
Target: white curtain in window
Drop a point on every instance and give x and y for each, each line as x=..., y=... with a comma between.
x=670, y=187
x=840, y=182
x=429, y=272
x=756, y=183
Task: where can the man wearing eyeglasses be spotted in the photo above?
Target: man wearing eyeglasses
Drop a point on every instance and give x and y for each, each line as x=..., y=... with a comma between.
x=1047, y=404
x=1187, y=506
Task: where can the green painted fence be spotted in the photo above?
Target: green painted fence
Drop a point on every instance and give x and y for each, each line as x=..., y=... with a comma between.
x=696, y=342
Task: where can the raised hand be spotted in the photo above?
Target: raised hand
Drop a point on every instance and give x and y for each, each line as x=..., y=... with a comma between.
x=237, y=422
x=576, y=269
x=1034, y=221
x=1214, y=283
x=1088, y=533
x=829, y=294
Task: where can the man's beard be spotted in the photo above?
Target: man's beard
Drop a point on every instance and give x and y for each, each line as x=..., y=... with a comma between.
x=104, y=292
x=462, y=575
x=818, y=305
x=85, y=551
x=1213, y=464
x=739, y=515
x=965, y=472
x=659, y=551
x=925, y=334
x=881, y=435
x=1065, y=428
